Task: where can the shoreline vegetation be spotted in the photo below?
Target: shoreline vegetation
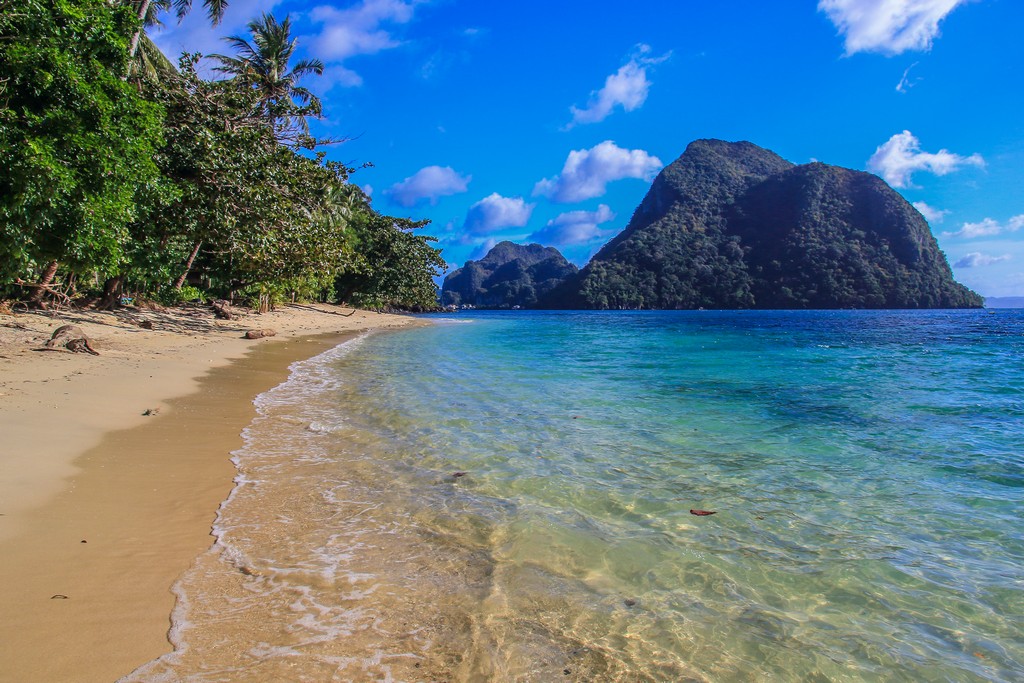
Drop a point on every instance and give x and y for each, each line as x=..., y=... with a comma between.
x=114, y=466
x=125, y=178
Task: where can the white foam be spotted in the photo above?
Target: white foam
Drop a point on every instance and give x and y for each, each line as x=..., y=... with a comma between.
x=307, y=378
x=453, y=321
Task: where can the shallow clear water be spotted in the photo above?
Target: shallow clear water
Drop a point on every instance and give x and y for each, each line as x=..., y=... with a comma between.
x=866, y=470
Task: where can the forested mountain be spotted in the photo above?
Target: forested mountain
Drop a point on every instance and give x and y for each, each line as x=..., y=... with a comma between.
x=732, y=225
x=509, y=275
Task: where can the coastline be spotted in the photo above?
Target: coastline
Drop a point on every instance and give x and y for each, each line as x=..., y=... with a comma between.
x=107, y=506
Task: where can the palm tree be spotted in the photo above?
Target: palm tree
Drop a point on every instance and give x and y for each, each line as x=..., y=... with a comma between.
x=147, y=11
x=264, y=66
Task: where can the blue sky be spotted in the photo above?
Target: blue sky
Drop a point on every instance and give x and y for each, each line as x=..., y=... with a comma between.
x=541, y=121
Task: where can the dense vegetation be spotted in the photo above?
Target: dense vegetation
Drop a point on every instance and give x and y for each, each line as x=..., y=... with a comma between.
x=121, y=174
x=509, y=275
x=731, y=225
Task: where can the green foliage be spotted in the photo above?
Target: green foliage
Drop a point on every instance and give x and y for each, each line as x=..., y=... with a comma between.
x=149, y=183
x=393, y=268
x=171, y=296
x=76, y=139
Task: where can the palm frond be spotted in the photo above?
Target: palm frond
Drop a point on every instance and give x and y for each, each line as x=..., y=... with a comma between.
x=215, y=10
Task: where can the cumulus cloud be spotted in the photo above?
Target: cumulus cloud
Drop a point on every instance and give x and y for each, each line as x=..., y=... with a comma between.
x=495, y=212
x=574, y=227
x=930, y=213
x=429, y=183
x=362, y=29
x=888, y=26
x=901, y=156
x=976, y=259
x=987, y=227
x=587, y=172
x=626, y=88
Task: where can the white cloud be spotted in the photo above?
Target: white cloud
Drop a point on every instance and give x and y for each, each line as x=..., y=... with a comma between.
x=574, y=227
x=627, y=88
x=495, y=212
x=430, y=183
x=888, y=26
x=367, y=189
x=976, y=259
x=930, y=213
x=362, y=29
x=905, y=83
x=987, y=227
x=336, y=74
x=587, y=172
x=901, y=156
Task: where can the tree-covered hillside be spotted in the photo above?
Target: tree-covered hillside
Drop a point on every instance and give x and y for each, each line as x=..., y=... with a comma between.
x=731, y=225
x=509, y=275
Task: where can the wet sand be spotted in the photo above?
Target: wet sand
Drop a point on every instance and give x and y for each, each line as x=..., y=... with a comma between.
x=93, y=541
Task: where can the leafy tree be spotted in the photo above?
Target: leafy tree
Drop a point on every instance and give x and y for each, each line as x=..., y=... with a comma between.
x=393, y=268
x=76, y=139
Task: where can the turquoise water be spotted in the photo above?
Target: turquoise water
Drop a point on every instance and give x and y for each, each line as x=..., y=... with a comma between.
x=866, y=470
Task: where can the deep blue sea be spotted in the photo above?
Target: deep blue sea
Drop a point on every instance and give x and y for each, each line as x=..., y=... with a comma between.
x=508, y=496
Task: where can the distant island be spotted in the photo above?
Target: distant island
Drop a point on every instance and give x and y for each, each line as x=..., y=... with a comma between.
x=732, y=225
x=509, y=276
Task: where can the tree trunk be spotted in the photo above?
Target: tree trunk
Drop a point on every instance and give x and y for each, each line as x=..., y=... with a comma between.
x=111, y=292
x=143, y=11
x=188, y=265
x=44, y=282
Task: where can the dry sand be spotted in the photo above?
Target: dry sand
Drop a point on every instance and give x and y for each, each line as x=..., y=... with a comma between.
x=103, y=507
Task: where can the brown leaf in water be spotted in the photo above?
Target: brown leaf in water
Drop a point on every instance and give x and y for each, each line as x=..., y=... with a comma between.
x=702, y=513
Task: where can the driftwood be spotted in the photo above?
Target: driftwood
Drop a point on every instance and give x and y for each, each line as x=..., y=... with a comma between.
x=222, y=310
x=260, y=334
x=72, y=338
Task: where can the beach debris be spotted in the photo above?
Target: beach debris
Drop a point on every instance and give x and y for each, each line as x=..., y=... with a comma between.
x=249, y=571
x=222, y=309
x=72, y=338
x=457, y=475
x=58, y=596
x=260, y=334
x=150, y=411
x=575, y=417
x=84, y=541
x=629, y=602
x=702, y=513
x=146, y=324
x=567, y=671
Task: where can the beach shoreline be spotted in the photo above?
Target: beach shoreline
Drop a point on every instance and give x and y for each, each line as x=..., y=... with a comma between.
x=103, y=505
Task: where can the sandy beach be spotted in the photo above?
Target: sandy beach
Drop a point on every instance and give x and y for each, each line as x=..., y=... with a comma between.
x=112, y=467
